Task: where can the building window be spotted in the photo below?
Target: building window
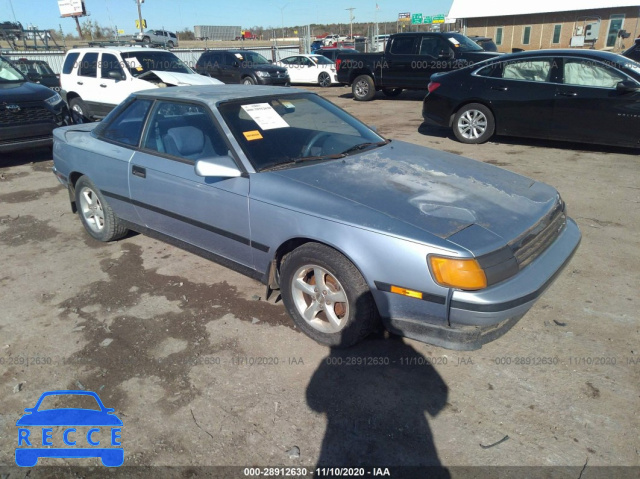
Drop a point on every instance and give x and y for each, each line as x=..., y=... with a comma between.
x=615, y=25
x=557, y=30
x=526, y=35
x=499, y=32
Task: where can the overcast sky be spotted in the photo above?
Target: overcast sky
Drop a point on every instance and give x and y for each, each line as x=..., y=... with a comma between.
x=180, y=14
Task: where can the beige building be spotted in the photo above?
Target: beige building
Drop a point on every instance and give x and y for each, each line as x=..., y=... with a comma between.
x=550, y=23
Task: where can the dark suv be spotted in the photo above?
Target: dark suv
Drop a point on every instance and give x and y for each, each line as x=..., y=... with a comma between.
x=241, y=66
x=634, y=51
x=38, y=71
x=28, y=111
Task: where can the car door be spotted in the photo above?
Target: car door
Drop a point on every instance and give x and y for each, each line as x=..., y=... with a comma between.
x=206, y=212
x=231, y=68
x=434, y=55
x=588, y=106
x=522, y=94
x=87, y=82
x=292, y=64
x=396, y=70
x=119, y=138
x=113, y=90
x=308, y=70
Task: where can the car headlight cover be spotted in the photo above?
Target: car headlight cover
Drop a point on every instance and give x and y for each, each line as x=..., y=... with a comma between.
x=53, y=100
x=457, y=273
x=262, y=74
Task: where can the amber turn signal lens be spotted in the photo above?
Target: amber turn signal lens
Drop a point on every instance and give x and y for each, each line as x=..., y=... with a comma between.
x=458, y=273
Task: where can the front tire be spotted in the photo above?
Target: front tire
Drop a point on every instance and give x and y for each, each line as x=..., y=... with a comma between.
x=363, y=88
x=473, y=123
x=95, y=213
x=326, y=296
x=146, y=40
x=391, y=92
x=324, y=80
x=248, y=81
x=170, y=44
x=79, y=111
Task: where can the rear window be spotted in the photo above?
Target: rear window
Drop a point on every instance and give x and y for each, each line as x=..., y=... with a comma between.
x=69, y=62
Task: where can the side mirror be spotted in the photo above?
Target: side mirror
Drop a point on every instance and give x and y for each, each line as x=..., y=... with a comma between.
x=627, y=86
x=34, y=77
x=117, y=76
x=236, y=64
x=220, y=167
x=270, y=61
x=448, y=54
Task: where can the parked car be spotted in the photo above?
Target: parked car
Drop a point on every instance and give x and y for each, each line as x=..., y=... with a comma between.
x=333, y=53
x=38, y=71
x=287, y=188
x=241, y=66
x=95, y=80
x=487, y=44
x=157, y=37
x=28, y=111
x=408, y=62
x=310, y=69
x=634, y=51
x=316, y=45
x=576, y=95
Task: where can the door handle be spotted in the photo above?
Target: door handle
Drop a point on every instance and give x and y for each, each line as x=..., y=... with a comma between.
x=80, y=83
x=103, y=85
x=499, y=88
x=139, y=171
x=567, y=93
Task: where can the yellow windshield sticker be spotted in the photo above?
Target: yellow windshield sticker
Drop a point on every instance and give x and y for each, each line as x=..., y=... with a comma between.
x=252, y=135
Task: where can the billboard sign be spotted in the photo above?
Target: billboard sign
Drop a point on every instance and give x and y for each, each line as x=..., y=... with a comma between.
x=72, y=8
x=404, y=17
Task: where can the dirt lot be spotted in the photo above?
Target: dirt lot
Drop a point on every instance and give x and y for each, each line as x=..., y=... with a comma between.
x=172, y=341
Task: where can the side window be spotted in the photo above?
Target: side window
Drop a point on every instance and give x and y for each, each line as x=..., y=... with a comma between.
x=127, y=127
x=582, y=72
x=110, y=63
x=430, y=46
x=538, y=70
x=172, y=35
x=492, y=70
x=69, y=62
x=403, y=45
x=230, y=59
x=88, y=65
x=184, y=130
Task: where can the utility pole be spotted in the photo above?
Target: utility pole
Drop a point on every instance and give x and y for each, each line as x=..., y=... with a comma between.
x=351, y=17
x=138, y=2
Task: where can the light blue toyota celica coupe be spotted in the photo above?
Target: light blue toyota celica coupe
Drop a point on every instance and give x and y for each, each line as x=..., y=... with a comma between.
x=353, y=229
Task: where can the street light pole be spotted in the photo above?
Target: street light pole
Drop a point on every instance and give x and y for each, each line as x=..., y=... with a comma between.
x=351, y=17
x=138, y=2
x=282, y=18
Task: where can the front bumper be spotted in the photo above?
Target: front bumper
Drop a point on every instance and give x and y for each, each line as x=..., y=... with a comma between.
x=32, y=135
x=273, y=81
x=474, y=318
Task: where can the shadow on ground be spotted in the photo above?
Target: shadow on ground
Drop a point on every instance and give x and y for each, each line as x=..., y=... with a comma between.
x=376, y=396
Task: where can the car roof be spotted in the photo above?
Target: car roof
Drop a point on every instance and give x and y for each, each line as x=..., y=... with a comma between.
x=116, y=49
x=563, y=52
x=212, y=94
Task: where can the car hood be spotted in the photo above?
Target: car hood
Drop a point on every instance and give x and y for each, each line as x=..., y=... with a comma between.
x=436, y=192
x=179, y=79
x=269, y=67
x=69, y=417
x=23, y=91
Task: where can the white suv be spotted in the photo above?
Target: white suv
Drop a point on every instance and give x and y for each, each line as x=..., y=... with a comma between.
x=94, y=80
x=157, y=37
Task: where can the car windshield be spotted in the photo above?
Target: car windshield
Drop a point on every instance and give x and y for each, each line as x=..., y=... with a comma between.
x=141, y=62
x=462, y=43
x=8, y=73
x=251, y=58
x=281, y=131
x=321, y=60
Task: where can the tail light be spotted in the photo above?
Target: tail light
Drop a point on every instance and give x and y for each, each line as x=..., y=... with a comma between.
x=338, y=62
x=433, y=86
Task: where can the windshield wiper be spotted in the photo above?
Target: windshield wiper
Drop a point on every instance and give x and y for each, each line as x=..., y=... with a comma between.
x=363, y=146
x=293, y=161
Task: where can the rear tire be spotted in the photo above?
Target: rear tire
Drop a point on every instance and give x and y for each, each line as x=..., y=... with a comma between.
x=363, y=88
x=146, y=40
x=324, y=80
x=170, y=44
x=473, y=123
x=95, y=213
x=326, y=296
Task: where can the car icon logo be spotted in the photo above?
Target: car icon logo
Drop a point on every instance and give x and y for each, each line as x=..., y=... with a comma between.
x=81, y=433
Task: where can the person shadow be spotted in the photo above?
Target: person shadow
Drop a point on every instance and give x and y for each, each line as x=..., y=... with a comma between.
x=375, y=396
